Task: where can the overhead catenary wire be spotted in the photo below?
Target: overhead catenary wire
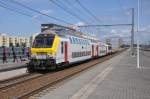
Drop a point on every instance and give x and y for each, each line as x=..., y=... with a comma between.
x=88, y=11
x=5, y=6
x=61, y=6
x=36, y=11
x=67, y=2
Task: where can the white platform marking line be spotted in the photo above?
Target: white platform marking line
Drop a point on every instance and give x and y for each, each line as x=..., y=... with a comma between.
x=144, y=67
x=84, y=92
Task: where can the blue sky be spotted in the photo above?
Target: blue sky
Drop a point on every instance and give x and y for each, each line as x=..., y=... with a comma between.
x=108, y=11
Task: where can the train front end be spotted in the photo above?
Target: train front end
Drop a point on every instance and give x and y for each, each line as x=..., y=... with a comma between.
x=43, y=52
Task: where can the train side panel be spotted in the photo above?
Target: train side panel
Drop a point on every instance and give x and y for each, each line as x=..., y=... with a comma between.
x=79, y=49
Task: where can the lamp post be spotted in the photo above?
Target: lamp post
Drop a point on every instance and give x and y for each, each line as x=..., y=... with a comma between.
x=138, y=23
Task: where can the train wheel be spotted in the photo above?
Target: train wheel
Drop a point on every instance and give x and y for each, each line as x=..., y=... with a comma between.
x=54, y=67
x=30, y=70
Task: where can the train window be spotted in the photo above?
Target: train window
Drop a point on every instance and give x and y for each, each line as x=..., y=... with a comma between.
x=62, y=47
x=86, y=42
x=83, y=41
x=80, y=41
x=76, y=40
x=70, y=40
x=73, y=40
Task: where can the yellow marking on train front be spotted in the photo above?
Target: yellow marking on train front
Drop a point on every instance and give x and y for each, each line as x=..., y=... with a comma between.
x=50, y=51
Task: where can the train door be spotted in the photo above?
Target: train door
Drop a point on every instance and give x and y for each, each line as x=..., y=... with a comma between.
x=65, y=51
x=92, y=50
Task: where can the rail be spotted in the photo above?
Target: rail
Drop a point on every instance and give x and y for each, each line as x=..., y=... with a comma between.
x=27, y=88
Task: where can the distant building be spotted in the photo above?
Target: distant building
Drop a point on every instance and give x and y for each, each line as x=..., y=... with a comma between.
x=9, y=41
x=116, y=42
x=4, y=40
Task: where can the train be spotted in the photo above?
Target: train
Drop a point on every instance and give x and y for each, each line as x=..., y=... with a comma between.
x=57, y=47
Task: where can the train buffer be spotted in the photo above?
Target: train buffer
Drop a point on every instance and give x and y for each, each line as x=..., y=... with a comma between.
x=117, y=78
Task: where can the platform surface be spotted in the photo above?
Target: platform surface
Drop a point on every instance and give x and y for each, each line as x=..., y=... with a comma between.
x=12, y=66
x=117, y=78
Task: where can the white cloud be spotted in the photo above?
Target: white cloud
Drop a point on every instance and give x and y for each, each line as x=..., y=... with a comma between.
x=75, y=26
x=128, y=12
x=145, y=29
x=80, y=24
x=148, y=26
x=46, y=11
x=35, y=16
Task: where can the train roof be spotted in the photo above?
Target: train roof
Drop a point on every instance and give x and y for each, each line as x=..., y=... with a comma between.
x=63, y=31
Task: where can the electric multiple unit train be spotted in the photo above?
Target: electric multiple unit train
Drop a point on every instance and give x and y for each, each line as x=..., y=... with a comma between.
x=59, y=46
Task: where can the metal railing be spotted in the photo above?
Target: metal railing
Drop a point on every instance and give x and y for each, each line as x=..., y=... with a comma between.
x=14, y=54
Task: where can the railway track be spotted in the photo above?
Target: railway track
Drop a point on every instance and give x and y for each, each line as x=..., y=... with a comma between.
x=17, y=79
x=29, y=86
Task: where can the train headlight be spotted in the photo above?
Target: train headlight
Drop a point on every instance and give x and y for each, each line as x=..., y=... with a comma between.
x=33, y=56
x=49, y=55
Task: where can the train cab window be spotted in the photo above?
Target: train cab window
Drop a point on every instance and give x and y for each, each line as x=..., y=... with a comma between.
x=49, y=42
x=43, y=41
x=62, y=47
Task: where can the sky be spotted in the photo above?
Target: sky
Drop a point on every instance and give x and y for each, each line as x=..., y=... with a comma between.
x=106, y=11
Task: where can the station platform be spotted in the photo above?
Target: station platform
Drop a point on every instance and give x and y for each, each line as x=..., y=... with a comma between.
x=12, y=66
x=117, y=78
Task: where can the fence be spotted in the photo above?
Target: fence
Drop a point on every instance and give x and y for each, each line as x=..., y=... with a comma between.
x=13, y=54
